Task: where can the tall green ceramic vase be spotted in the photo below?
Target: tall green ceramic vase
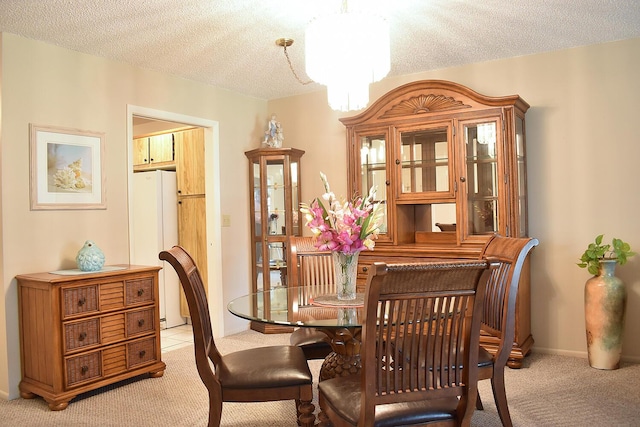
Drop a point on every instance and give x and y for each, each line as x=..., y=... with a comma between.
x=605, y=300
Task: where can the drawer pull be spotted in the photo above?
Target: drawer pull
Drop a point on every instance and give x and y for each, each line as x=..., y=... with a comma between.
x=141, y=322
x=142, y=353
x=84, y=369
x=82, y=301
x=82, y=336
x=365, y=269
x=140, y=292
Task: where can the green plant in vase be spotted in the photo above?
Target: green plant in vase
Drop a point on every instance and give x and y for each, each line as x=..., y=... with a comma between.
x=618, y=251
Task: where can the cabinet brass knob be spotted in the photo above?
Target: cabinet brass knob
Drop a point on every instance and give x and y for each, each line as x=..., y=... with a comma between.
x=365, y=269
x=140, y=292
x=141, y=322
x=82, y=336
x=82, y=301
x=387, y=182
x=84, y=370
x=463, y=179
x=397, y=161
x=142, y=353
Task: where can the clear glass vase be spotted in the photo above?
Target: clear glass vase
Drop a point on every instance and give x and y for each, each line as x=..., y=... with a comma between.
x=346, y=271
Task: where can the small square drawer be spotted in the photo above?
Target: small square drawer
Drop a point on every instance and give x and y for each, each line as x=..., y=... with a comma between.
x=140, y=321
x=140, y=352
x=79, y=300
x=83, y=368
x=81, y=334
x=139, y=290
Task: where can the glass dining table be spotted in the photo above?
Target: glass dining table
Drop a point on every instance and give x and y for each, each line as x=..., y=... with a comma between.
x=295, y=306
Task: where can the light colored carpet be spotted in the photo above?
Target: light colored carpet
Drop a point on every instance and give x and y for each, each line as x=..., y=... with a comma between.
x=547, y=391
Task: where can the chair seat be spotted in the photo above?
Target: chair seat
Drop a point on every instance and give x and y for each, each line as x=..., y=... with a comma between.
x=343, y=395
x=264, y=367
x=314, y=343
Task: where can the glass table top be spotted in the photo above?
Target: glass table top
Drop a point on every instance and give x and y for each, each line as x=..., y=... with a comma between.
x=295, y=306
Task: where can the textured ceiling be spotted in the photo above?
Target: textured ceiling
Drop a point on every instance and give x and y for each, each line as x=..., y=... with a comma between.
x=231, y=43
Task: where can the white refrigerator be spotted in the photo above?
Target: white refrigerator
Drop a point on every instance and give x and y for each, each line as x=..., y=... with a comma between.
x=155, y=228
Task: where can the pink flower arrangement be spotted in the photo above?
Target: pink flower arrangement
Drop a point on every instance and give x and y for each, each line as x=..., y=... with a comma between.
x=343, y=226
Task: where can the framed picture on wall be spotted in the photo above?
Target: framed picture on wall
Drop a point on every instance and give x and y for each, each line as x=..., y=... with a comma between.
x=67, y=168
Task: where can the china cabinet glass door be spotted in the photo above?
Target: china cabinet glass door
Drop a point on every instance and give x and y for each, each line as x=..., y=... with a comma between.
x=482, y=149
x=373, y=171
x=521, y=178
x=425, y=161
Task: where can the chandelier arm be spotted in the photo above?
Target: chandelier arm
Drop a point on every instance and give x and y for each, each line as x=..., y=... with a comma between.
x=303, y=82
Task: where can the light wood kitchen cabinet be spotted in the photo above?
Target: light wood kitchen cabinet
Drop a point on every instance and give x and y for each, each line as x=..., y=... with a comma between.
x=154, y=152
x=82, y=332
x=190, y=158
x=192, y=237
x=192, y=210
x=449, y=165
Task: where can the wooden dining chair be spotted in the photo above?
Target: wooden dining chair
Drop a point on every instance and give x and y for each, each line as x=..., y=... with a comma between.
x=259, y=374
x=312, y=272
x=420, y=339
x=499, y=313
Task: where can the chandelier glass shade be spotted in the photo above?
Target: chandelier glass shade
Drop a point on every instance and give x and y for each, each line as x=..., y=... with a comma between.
x=347, y=51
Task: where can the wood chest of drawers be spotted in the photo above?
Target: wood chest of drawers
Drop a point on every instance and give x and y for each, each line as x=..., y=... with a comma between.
x=82, y=332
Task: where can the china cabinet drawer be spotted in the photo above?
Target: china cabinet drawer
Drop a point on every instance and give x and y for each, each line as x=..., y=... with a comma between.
x=84, y=331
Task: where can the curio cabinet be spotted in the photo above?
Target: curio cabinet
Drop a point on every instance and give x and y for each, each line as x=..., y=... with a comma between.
x=274, y=180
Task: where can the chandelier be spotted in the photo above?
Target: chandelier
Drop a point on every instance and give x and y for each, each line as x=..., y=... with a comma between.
x=346, y=51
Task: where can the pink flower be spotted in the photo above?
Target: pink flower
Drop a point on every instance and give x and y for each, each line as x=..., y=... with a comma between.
x=342, y=226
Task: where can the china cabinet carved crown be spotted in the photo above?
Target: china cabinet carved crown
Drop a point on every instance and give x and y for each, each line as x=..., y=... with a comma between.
x=274, y=181
x=449, y=165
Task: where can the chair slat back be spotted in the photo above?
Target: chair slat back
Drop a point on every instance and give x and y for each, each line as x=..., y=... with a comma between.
x=502, y=288
x=421, y=320
x=191, y=281
x=312, y=270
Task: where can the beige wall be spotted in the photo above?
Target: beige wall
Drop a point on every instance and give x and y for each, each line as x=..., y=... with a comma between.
x=47, y=85
x=583, y=152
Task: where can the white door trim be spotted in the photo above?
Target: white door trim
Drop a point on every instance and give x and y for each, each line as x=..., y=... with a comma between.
x=212, y=189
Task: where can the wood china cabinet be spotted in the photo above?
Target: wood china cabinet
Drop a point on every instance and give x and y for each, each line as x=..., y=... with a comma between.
x=274, y=181
x=449, y=165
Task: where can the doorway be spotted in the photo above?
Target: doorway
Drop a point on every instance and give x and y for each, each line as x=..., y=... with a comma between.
x=141, y=117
